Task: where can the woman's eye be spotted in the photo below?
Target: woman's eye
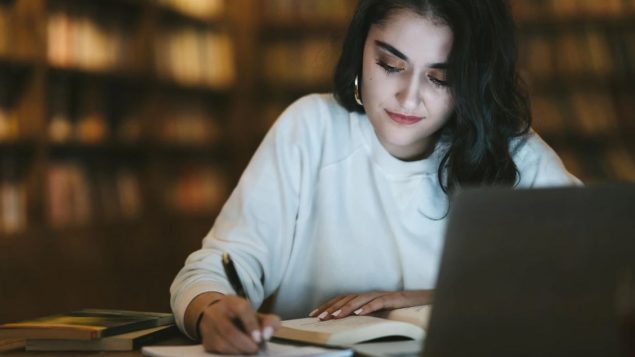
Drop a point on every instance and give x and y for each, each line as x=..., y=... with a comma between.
x=388, y=68
x=437, y=82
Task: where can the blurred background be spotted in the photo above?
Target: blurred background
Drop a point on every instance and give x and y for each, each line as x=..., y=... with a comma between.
x=124, y=124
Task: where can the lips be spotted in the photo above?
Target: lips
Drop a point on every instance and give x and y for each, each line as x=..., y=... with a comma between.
x=404, y=119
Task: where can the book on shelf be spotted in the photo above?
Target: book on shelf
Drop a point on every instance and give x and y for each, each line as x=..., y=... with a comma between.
x=407, y=323
x=68, y=191
x=124, y=342
x=78, y=37
x=78, y=193
x=595, y=112
x=86, y=324
x=13, y=197
x=204, y=10
x=6, y=26
x=308, y=10
x=196, y=190
x=621, y=164
x=538, y=55
x=548, y=118
x=9, y=120
x=195, y=57
x=10, y=344
x=314, y=57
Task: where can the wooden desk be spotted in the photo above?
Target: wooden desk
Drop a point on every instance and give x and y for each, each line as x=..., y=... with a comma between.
x=178, y=340
x=382, y=347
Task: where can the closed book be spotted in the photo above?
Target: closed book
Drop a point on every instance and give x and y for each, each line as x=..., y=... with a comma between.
x=404, y=323
x=86, y=324
x=124, y=342
x=11, y=344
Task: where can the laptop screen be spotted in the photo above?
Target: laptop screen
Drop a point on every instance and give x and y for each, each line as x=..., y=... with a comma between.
x=537, y=272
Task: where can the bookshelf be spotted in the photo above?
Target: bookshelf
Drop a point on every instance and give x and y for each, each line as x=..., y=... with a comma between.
x=578, y=57
x=579, y=61
x=299, y=43
x=117, y=147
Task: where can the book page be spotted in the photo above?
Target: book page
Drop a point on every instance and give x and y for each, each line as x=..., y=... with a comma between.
x=274, y=349
x=346, y=331
x=333, y=326
x=416, y=315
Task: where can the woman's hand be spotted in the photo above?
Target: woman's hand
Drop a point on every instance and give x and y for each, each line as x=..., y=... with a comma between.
x=229, y=325
x=366, y=303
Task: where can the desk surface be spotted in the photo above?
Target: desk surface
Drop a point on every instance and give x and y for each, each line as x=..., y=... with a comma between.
x=405, y=348
x=177, y=340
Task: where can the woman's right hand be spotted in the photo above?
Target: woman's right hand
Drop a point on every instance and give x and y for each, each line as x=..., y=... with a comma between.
x=229, y=325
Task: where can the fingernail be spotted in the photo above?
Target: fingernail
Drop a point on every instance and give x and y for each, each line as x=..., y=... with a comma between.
x=337, y=313
x=358, y=311
x=255, y=335
x=323, y=315
x=267, y=333
x=313, y=313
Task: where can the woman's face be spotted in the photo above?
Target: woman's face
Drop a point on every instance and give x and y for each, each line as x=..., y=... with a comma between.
x=404, y=88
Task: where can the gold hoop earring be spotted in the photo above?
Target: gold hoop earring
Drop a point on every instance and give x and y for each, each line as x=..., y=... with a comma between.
x=356, y=92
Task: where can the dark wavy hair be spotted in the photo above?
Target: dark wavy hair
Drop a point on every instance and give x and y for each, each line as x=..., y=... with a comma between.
x=491, y=105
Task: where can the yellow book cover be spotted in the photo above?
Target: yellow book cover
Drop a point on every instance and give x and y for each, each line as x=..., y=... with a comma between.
x=86, y=324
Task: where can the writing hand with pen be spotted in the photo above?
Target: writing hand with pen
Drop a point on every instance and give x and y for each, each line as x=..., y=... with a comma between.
x=228, y=324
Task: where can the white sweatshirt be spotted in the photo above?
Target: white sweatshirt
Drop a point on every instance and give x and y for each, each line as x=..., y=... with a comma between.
x=323, y=209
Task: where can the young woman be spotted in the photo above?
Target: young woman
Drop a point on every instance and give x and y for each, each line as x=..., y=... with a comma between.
x=343, y=207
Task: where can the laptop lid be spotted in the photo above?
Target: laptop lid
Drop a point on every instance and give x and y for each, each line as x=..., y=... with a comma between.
x=540, y=272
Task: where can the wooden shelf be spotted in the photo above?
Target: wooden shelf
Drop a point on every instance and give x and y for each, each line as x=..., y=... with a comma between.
x=551, y=21
x=17, y=147
x=7, y=60
x=103, y=148
x=301, y=28
x=590, y=141
x=295, y=88
x=205, y=216
x=588, y=81
x=172, y=13
x=102, y=74
x=174, y=85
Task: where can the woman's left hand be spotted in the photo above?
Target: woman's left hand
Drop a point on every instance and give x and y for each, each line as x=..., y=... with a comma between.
x=366, y=303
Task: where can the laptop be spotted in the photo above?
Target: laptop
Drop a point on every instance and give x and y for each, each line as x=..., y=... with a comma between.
x=537, y=272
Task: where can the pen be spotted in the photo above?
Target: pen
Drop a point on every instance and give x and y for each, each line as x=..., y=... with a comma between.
x=234, y=280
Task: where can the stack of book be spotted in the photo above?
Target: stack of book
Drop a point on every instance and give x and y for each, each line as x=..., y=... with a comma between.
x=90, y=330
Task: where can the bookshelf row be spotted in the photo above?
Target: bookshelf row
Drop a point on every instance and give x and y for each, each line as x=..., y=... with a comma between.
x=81, y=109
x=83, y=192
x=594, y=163
x=314, y=11
x=585, y=113
x=314, y=60
x=587, y=52
x=194, y=56
x=307, y=34
x=113, y=112
x=94, y=37
x=186, y=54
x=208, y=10
x=561, y=10
x=578, y=57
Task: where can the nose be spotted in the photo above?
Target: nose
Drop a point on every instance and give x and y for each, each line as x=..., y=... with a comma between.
x=410, y=95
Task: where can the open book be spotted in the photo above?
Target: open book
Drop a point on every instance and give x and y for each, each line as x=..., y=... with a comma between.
x=407, y=322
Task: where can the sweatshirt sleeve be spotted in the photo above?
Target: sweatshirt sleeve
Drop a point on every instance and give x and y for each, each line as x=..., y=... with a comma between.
x=539, y=165
x=256, y=225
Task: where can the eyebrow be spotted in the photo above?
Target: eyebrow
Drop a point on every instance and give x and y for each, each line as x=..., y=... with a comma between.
x=389, y=48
